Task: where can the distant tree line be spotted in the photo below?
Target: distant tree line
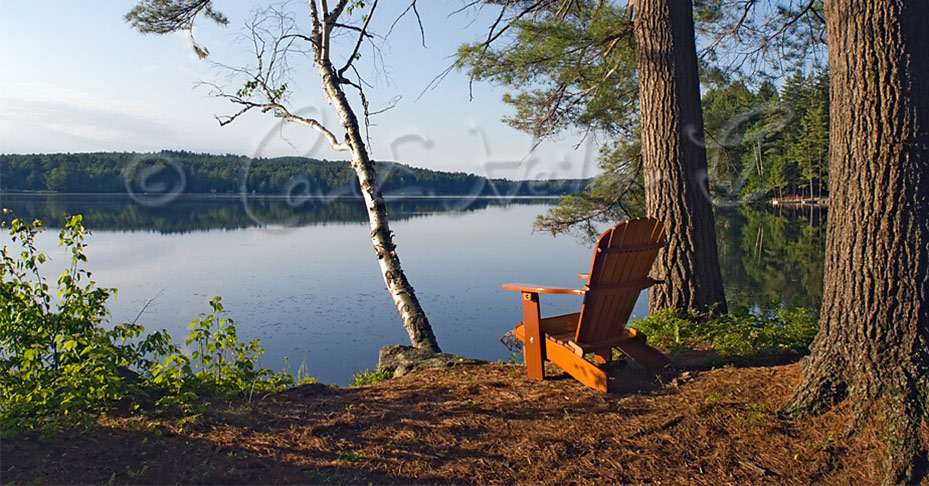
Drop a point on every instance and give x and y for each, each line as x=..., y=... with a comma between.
x=184, y=172
x=761, y=143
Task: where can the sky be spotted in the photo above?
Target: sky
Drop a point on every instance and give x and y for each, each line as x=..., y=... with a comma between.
x=76, y=77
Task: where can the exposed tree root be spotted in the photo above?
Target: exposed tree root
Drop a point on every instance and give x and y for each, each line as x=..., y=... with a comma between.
x=816, y=395
x=905, y=461
x=899, y=418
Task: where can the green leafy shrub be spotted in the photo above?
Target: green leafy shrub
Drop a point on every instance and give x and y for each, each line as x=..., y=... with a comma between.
x=220, y=365
x=740, y=333
x=369, y=376
x=55, y=357
x=58, y=360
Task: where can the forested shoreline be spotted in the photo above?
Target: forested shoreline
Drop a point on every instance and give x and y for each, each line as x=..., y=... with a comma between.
x=769, y=142
x=182, y=172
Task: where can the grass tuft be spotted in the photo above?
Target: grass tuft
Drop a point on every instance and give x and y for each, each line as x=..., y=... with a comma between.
x=370, y=377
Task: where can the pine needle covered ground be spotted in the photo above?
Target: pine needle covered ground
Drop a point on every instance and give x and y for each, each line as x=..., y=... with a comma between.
x=482, y=424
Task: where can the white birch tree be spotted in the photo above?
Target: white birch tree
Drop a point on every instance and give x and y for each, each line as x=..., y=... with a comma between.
x=274, y=35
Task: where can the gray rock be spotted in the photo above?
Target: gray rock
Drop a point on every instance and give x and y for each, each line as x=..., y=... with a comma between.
x=404, y=359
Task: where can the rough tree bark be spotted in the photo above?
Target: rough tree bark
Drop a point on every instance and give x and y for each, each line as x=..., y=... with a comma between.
x=873, y=342
x=674, y=157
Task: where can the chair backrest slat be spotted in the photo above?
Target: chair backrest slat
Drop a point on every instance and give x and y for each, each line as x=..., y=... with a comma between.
x=624, y=254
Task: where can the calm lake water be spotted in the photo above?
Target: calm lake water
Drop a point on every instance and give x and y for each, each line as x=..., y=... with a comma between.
x=305, y=280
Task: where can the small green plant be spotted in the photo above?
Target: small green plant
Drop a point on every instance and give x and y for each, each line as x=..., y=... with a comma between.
x=755, y=415
x=823, y=444
x=369, y=376
x=302, y=377
x=140, y=472
x=515, y=358
x=220, y=365
x=740, y=333
x=55, y=356
x=59, y=362
x=353, y=457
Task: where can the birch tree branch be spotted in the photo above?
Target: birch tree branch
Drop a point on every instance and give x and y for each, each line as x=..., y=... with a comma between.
x=316, y=29
x=419, y=20
x=282, y=112
x=361, y=38
x=332, y=16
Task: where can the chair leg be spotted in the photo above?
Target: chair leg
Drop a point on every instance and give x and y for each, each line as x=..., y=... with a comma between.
x=603, y=357
x=534, y=346
x=645, y=355
x=578, y=367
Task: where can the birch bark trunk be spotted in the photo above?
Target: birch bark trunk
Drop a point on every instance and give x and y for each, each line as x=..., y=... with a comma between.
x=411, y=312
x=401, y=292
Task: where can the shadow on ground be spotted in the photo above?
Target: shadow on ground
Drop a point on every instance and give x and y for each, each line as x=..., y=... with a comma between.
x=484, y=424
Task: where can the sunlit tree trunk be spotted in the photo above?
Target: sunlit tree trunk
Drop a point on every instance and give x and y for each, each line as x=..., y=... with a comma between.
x=873, y=341
x=411, y=312
x=674, y=157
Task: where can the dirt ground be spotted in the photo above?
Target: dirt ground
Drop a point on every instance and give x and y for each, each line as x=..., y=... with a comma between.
x=483, y=424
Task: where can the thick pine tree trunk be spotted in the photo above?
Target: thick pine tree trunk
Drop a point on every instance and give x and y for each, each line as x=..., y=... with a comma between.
x=411, y=312
x=873, y=342
x=674, y=157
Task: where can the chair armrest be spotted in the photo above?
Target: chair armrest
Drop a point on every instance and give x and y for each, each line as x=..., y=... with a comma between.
x=539, y=289
x=583, y=275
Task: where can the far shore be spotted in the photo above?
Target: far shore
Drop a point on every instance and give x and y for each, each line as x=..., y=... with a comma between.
x=797, y=201
x=226, y=195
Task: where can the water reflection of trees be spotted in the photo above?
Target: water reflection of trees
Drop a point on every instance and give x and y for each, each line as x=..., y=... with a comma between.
x=772, y=256
x=768, y=256
x=191, y=213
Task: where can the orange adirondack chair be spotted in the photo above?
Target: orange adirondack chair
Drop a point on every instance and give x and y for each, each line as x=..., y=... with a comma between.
x=622, y=259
